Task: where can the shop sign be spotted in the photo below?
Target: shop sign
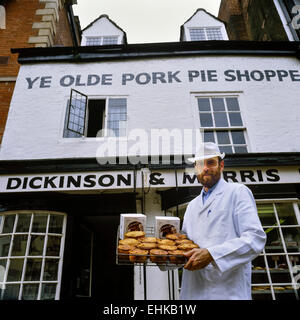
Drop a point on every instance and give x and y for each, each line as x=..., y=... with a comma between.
x=155, y=178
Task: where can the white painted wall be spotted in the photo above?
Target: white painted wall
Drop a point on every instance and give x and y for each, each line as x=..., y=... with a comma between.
x=102, y=28
x=203, y=20
x=270, y=109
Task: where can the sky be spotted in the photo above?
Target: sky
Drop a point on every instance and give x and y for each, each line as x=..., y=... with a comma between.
x=145, y=21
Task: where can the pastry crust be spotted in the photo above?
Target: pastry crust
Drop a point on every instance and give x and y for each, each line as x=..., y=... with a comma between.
x=173, y=236
x=147, y=245
x=135, y=234
x=129, y=241
x=187, y=246
x=167, y=242
x=158, y=255
x=177, y=257
x=182, y=241
x=167, y=247
x=138, y=255
x=123, y=250
x=149, y=239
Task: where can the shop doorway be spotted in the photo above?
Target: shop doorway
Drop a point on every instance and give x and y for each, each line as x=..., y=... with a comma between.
x=97, y=275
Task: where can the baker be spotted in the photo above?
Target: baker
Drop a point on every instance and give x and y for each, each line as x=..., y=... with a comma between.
x=224, y=222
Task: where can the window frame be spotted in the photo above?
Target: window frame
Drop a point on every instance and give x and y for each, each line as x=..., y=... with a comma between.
x=101, y=38
x=27, y=256
x=214, y=129
x=205, y=32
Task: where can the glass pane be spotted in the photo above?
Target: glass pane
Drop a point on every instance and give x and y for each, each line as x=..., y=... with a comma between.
x=235, y=119
x=15, y=270
x=39, y=222
x=9, y=223
x=209, y=136
x=56, y=223
x=292, y=239
x=2, y=269
x=23, y=223
x=48, y=291
x=36, y=245
x=286, y=213
x=225, y=149
x=4, y=245
x=33, y=270
x=218, y=104
x=223, y=137
x=238, y=137
x=240, y=149
x=266, y=214
x=259, y=273
x=30, y=291
x=50, y=269
x=19, y=245
x=206, y=120
x=53, y=246
x=232, y=104
x=1, y=217
x=274, y=243
x=11, y=292
x=279, y=269
x=203, y=104
x=221, y=119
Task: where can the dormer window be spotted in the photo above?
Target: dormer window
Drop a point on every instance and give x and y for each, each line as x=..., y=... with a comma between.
x=202, y=34
x=101, y=41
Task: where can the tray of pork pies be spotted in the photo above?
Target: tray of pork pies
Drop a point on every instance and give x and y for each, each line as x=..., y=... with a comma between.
x=137, y=248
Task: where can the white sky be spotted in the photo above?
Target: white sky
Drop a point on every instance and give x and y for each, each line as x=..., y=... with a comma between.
x=145, y=20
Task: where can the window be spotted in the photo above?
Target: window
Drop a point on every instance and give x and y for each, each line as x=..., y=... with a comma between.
x=31, y=251
x=221, y=119
x=2, y=17
x=101, y=41
x=87, y=116
x=276, y=272
x=202, y=34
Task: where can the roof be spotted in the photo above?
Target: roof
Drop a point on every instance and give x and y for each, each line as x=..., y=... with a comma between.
x=107, y=17
x=157, y=50
x=199, y=9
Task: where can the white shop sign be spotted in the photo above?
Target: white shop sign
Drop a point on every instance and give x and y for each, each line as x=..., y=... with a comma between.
x=125, y=179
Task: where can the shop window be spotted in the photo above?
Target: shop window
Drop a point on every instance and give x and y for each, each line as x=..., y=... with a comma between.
x=31, y=251
x=276, y=272
x=101, y=41
x=203, y=34
x=221, y=119
x=90, y=117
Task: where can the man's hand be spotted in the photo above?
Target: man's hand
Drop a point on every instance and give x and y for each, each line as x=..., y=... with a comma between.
x=198, y=259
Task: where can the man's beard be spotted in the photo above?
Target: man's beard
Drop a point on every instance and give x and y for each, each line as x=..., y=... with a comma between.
x=213, y=178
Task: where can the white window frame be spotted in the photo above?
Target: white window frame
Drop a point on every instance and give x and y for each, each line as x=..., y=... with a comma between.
x=238, y=95
x=29, y=233
x=101, y=40
x=205, y=32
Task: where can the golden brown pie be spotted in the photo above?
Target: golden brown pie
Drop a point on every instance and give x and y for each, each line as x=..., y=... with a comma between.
x=166, y=242
x=138, y=255
x=130, y=241
x=158, y=255
x=135, y=234
x=177, y=257
x=167, y=247
x=147, y=245
x=187, y=246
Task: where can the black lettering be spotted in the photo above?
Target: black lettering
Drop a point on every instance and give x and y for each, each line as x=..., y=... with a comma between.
x=295, y=76
x=154, y=180
x=31, y=82
x=172, y=76
x=212, y=75
x=272, y=175
x=145, y=75
x=260, y=176
x=78, y=79
x=247, y=174
x=49, y=181
x=11, y=185
x=25, y=181
x=109, y=183
x=61, y=181
x=32, y=185
x=193, y=74
x=107, y=79
x=282, y=74
x=189, y=178
x=45, y=82
x=74, y=181
x=126, y=181
x=259, y=73
x=158, y=76
x=241, y=75
x=203, y=76
x=67, y=81
x=89, y=181
x=270, y=74
x=127, y=77
x=230, y=74
x=93, y=79
x=230, y=175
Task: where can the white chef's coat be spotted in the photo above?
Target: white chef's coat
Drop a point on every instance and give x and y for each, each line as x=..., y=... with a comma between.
x=228, y=226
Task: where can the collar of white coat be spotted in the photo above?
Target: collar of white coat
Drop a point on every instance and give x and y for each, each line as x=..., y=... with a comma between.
x=217, y=191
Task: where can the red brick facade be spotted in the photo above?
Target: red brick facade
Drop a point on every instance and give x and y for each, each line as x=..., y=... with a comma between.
x=23, y=19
